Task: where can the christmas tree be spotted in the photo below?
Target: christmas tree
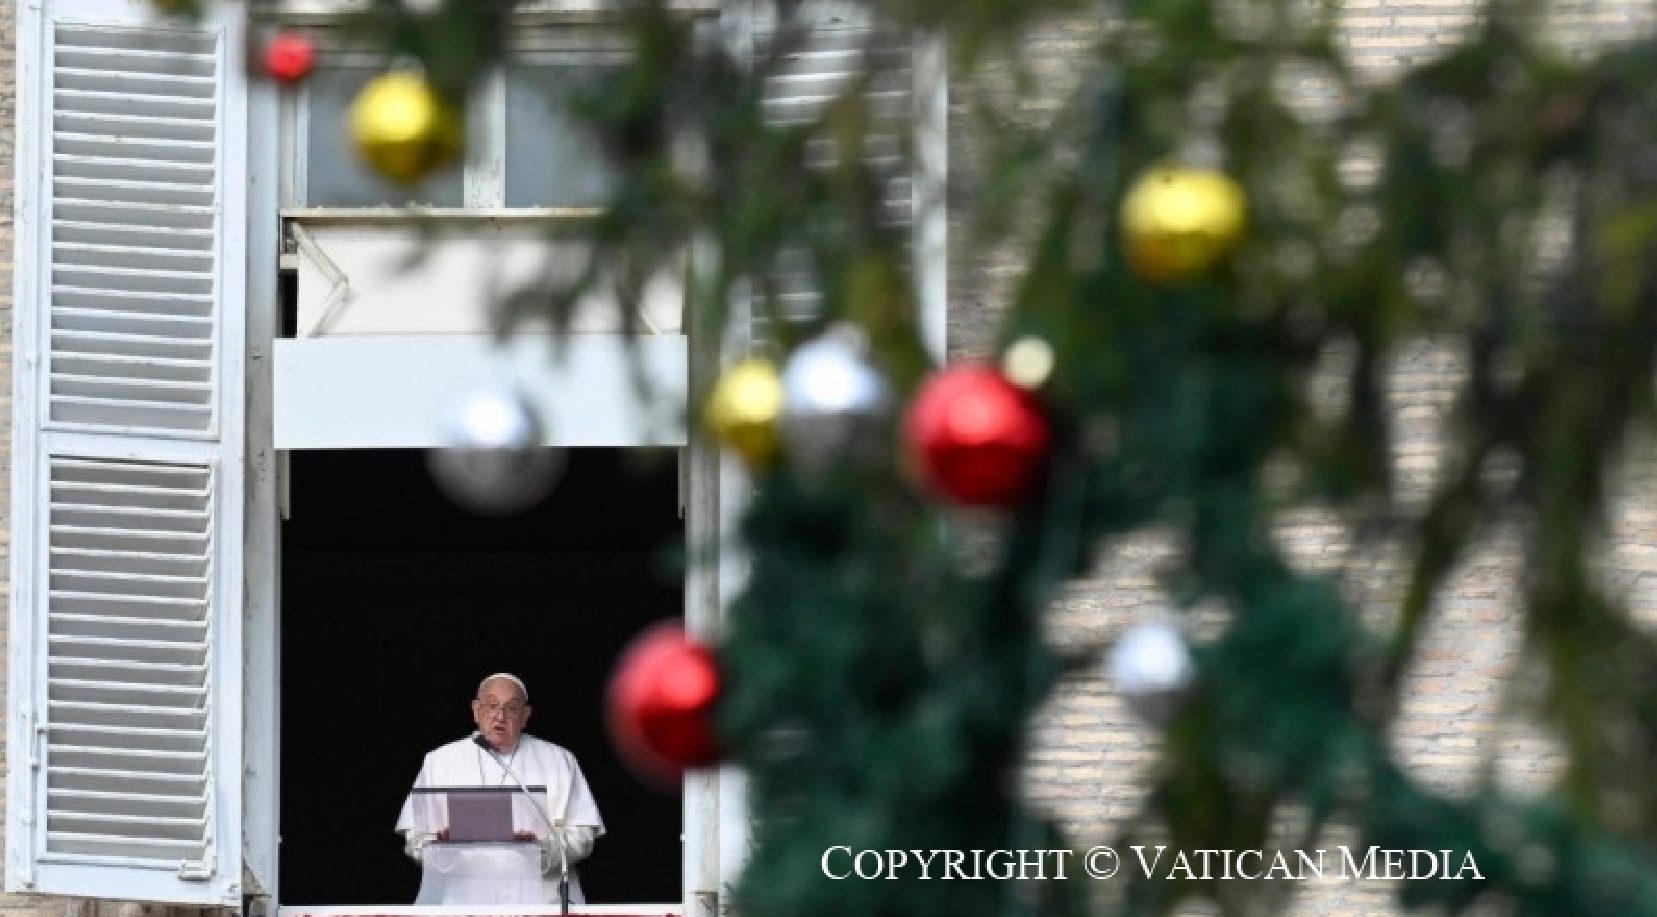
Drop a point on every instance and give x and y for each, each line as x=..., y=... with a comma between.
x=1223, y=222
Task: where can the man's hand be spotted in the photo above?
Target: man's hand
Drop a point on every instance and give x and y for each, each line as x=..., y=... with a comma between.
x=443, y=835
x=524, y=836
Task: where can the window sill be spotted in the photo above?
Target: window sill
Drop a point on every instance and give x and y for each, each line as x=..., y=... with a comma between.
x=405, y=215
x=596, y=9
x=494, y=910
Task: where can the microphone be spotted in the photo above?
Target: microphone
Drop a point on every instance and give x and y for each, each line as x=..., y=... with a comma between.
x=563, y=862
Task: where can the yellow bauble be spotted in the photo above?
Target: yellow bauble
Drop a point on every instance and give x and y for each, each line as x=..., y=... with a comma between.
x=403, y=128
x=1177, y=223
x=743, y=410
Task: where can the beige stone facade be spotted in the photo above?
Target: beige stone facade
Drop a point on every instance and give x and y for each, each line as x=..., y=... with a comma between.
x=9, y=904
x=1088, y=751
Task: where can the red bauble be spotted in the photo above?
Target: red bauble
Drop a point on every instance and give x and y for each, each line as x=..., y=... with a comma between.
x=661, y=701
x=289, y=57
x=977, y=438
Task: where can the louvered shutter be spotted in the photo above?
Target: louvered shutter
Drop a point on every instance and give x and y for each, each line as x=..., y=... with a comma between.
x=905, y=101
x=125, y=756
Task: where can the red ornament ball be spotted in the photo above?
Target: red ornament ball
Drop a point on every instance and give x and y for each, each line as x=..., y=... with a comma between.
x=977, y=438
x=289, y=57
x=661, y=701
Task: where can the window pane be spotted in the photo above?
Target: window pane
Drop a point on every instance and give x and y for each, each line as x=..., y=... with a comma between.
x=335, y=176
x=549, y=163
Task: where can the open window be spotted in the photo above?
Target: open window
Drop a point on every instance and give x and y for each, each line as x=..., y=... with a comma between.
x=395, y=602
x=387, y=324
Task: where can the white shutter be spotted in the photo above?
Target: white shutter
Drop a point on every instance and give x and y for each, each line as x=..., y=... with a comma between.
x=906, y=103
x=127, y=630
x=124, y=736
x=133, y=127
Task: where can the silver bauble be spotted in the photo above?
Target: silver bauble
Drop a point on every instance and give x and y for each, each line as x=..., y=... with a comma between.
x=494, y=463
x=1152, y=669
x=833, y=399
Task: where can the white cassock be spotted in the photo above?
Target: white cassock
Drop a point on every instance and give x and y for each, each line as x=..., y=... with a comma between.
x=568, y=801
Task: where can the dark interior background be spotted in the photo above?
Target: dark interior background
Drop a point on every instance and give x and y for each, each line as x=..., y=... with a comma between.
x=395, y=603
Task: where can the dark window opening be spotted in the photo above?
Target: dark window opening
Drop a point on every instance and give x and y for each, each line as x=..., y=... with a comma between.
x=395, y=603
x=287, y=297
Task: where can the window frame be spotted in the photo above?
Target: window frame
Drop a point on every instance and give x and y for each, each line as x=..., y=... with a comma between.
x=483, y=180
x=556, y=38
x=716, y=832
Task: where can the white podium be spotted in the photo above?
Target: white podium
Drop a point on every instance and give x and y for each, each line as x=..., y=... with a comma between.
x=481, y=873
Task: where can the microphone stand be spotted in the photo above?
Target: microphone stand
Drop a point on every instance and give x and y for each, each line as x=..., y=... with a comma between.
x=563, y=861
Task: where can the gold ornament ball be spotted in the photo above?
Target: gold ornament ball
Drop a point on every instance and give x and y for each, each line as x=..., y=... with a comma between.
x=1178, y=223
x=403, y=128
x=744, y=408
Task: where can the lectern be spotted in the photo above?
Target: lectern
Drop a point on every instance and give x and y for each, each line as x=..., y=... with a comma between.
x=480, y=860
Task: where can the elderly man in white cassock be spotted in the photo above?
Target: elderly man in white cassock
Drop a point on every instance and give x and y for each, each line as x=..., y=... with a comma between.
x=501, y=710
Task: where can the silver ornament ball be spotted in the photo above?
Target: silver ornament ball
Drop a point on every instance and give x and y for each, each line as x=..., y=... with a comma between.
x=494, y=462
x=833, y=398
x=1152, y=669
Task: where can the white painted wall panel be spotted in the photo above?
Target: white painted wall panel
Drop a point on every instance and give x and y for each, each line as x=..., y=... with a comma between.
x=411, y=278
x=394, y=392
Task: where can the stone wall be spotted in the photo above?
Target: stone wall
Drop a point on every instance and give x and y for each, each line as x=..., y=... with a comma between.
x=1089, y=753
x=10, y=905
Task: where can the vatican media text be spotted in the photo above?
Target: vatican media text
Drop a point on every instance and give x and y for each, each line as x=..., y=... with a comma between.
x=1152, y=862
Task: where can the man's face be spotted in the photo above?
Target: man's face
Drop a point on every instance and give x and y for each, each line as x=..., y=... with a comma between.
x=500, y=713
